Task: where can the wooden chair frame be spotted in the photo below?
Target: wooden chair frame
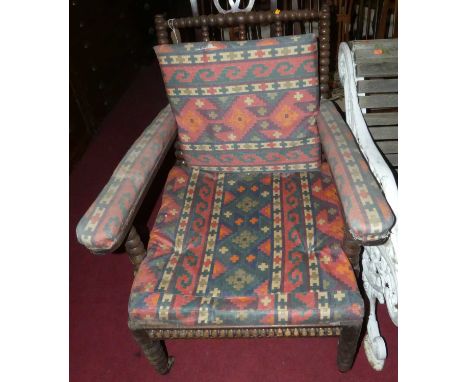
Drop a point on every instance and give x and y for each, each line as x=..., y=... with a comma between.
x=151, y=338
x=242, y=19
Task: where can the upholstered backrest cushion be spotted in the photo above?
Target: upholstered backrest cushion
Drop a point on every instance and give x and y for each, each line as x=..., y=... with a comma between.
x=245, y=105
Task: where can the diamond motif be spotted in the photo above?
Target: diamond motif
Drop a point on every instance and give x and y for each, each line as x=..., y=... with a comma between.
x=241, y=120
x=286, y=116
x=242, y=267
x=191, y=122
x=240, y=279
x=245, y=239
x=247, y=204
x=245, y=106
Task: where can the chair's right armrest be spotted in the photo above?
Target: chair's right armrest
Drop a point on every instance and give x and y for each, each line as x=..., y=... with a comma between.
x=106, y=223
x=367, y=213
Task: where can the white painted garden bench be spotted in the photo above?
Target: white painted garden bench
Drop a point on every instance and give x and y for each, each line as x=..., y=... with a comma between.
x=369, y=74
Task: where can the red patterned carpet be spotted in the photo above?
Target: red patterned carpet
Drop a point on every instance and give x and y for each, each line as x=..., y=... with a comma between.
x=101, y=346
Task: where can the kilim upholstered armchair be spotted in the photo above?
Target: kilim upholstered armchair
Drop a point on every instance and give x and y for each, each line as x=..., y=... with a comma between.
x=264, y=214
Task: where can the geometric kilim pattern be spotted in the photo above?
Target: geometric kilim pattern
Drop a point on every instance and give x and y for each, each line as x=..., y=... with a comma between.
x=367, y=213
x=245, y=106
x=246, y=249
x=102, y=227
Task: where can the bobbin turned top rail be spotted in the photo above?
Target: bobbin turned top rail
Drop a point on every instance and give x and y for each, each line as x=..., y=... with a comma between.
x=234, y=19
x=243, y=19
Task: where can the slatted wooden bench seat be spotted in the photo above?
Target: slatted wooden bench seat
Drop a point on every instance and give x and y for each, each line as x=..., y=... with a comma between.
x=376, y=72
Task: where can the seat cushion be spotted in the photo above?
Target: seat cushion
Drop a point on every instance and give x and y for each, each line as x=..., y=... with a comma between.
x=246, y=249
x=245, y=105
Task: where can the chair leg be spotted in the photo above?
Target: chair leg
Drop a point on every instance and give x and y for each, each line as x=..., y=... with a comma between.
x=347, y=346
x=154, y=351
x=353, y=250
x=135, y=249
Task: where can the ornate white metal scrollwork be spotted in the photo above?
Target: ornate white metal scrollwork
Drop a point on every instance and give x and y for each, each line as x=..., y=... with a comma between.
x=379, y=263
x=234, y=6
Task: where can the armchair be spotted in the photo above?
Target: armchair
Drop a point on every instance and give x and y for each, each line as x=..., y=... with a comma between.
x=254, y=231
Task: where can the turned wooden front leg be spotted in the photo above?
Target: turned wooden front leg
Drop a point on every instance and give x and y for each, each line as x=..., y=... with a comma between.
x=347, y=346
x=154, y=352
x=353, y=250
x=135, y=249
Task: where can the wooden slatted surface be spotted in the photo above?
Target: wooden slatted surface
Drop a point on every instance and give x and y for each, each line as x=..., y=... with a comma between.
x=377, y=69
x=381, y=119
x=378, y=86
x=384, y=132
x=388, y=147
x=379, y=101
x=393, y=159
x=376, y=63
x=367, y=52
x=366, y=48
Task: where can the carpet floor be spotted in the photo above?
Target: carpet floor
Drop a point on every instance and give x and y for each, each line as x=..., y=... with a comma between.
x=101, y=346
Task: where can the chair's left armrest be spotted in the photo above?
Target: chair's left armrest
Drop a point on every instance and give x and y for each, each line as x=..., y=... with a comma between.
x=368, y=215
x=106, y=223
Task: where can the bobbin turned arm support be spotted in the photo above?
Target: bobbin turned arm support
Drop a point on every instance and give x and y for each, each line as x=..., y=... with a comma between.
x=108, y=221
x=367, y=213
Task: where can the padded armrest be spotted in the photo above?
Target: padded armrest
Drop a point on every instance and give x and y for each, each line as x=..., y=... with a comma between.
x=367, y=213
x=107, y=221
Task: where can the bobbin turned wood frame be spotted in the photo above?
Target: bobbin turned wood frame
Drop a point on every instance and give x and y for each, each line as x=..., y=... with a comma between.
x=242, y=19
x=151, y=338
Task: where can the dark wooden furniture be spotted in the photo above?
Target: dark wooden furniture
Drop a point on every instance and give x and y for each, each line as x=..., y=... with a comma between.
x=151, y=339
x=242, y=20
x=149, y=333
x=366, y=19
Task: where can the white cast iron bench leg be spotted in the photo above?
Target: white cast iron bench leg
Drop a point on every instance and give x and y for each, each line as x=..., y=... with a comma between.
x=379, y=263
